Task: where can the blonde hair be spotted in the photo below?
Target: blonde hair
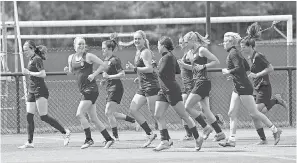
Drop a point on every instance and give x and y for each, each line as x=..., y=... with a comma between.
x=196, y=37
x=233, y=36
x=147, y=43
x=76, y=40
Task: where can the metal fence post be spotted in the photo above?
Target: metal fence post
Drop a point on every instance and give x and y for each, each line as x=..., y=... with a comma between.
x=17, y=82
x=290, y=97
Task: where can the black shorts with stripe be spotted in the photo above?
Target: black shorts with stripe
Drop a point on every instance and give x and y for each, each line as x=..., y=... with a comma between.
x=202, y=88
x=115, y=95
x=90, y=94
x=263, y=95
x=148, y=91
x=41, y=92
x=171, y=98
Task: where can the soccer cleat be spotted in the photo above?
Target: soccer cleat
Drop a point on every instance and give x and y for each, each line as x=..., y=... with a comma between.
x=66, y=137
x=220, y=136
x=228, y=143
x=262, y=142
x=206, y=131
x=187, y=138
x=163, y=145
x=87, y=143
x=150, y=139
x=199, y=142
x=280, y=101
x=26, y=145
x=277, y=136
x=221, y=120
x=108, y=143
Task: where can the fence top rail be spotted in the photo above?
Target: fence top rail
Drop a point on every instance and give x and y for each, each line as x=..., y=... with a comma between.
x=132, y=72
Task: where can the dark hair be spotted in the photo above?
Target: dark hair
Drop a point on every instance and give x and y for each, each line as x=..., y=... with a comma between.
x=40, y=50
x=167, y=42
x=254, y=33
x=111, y=44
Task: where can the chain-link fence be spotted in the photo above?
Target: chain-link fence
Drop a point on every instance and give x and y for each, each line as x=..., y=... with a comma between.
x=65, y=97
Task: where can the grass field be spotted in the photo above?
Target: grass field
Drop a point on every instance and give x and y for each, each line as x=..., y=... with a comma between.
x=49, y=149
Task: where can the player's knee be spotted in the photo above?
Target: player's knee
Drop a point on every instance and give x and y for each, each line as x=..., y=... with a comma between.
x=79, y=115
x=231, y=113
x=108, y=113
x=187, y=107
x=157, y=116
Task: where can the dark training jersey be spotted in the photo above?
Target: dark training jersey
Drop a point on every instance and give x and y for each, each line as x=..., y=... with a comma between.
x=168, y=67
x=238, y=66
x=114, y=67
x=187, y=75
x=36, y=83
x=82, y=70
x=146, y=80
x=202, y=73
x=259, y=63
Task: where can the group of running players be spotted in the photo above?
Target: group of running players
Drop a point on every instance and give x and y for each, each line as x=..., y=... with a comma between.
x=159, y=88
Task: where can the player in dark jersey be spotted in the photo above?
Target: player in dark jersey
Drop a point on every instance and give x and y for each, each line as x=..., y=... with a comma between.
x=188, y=85
x=199, y=56
x=170, y=94
x=81, y=65
x=243, y=89
x=114, y=86
x=38, y=93
x=260, y=70
x=148, y=83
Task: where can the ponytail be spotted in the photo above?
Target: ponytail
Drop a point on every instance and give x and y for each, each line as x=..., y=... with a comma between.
x=253, y=34
x=41, y=51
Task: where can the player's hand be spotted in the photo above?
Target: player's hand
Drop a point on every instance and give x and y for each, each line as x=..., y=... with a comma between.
x=105, y=75
x=91, y=77
x=252, y=75
x=25, y=71
x=198, y=67
x=136, y=80
x=225, y=71
x=181, y=62
x=130, y=66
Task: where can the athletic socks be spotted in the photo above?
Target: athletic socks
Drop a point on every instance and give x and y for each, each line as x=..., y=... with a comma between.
x=106, y=135
x=216, y=127
x=88, y=133
x=164, y=134
x=189, y=133
x=261, y=133
x=195, y=132
x=129, y=119
x=146, y=128
x=115, y=132
x=30, y=126
x=54, y=123
x=201, y=121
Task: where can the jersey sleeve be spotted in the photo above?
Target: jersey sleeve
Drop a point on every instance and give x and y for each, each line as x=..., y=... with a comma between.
x=235, y=60
x=164, y=65
x=261, y=60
